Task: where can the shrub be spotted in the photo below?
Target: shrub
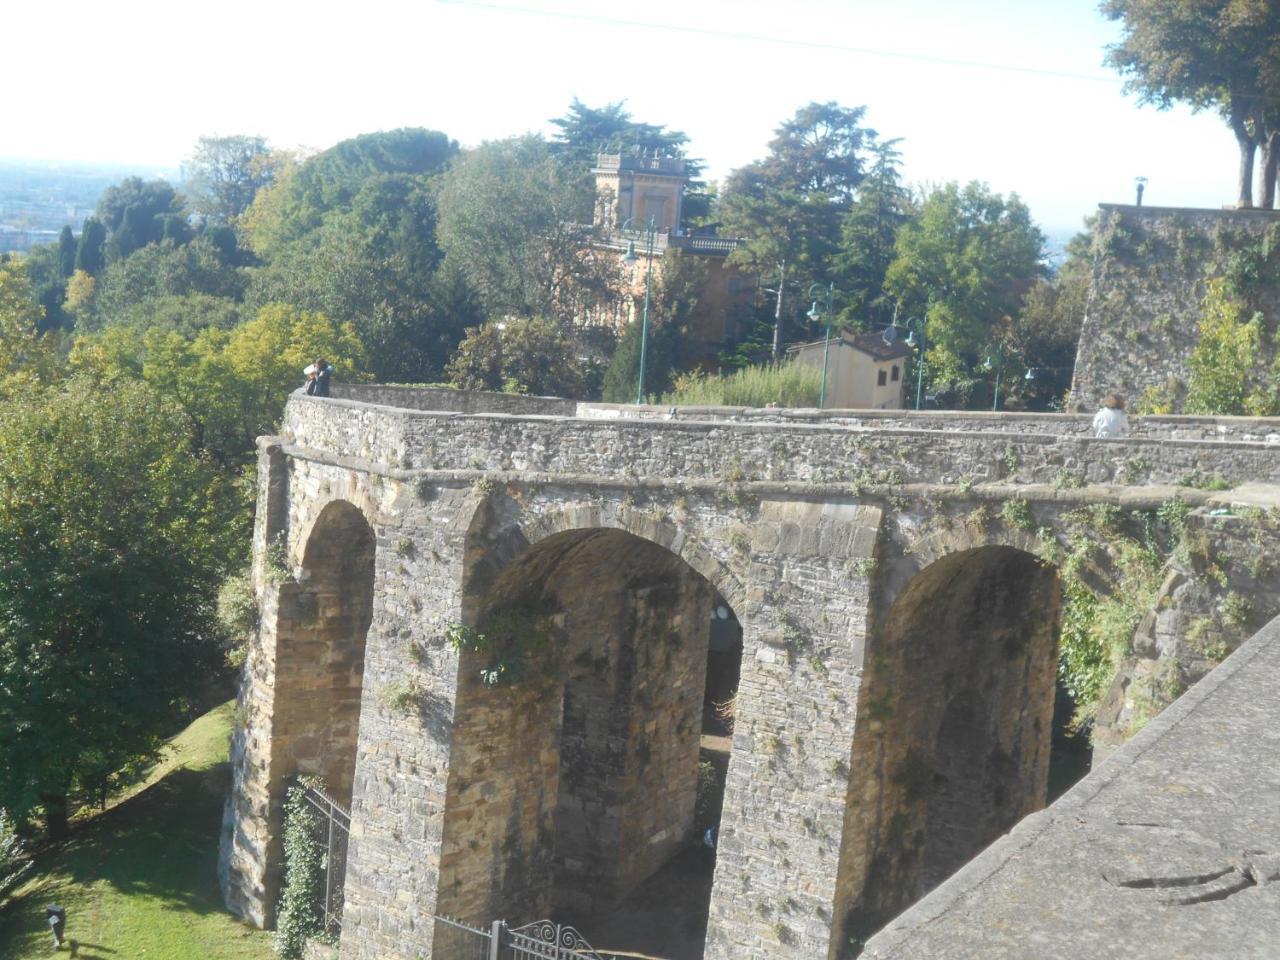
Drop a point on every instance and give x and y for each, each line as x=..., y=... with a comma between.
x=14, y=862
x=301, y=915
x=783, y=385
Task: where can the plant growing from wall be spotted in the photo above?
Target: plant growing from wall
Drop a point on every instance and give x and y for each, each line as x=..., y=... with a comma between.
x=1097, y=625
x=301, y=914
x=511, y=637
x=1219, y=366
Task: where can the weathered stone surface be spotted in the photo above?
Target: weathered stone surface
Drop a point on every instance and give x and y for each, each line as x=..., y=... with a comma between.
x=1150, y=270
x=1169, y=849
x=893, y=626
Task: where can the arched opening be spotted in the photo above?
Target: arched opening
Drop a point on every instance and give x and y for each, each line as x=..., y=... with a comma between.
x=955, y=720
x=320, y=646
x=587, y=762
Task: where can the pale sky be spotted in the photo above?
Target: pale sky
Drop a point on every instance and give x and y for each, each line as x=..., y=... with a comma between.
x=136, y=82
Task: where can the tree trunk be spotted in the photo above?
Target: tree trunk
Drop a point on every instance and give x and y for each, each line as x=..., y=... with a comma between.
x=55, y=815
x=1248, y=145
x=777, y=312
x=1270, y=163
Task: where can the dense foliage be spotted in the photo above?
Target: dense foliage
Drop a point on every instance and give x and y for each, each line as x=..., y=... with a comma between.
x=301, y=914
x=1211, y=54
x=113, y=538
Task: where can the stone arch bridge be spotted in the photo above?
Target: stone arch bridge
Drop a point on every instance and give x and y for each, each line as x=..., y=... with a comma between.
x=493, y=625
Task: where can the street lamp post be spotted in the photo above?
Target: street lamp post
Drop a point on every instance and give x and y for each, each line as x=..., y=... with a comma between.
x=815, y=315
x=651, y=233
x=915, y=327
x=999, y=369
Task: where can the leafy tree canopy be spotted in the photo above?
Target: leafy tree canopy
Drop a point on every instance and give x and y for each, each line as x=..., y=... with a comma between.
x=224, y=174
x=230, y=385
x=106, y=596
x=788, y=207
x=529, y=355
x=160, y=271
x=304, y=193
x=28, y=355
x=965, y=265
x=1223, y=54
x=134, y=213
x=507, y=220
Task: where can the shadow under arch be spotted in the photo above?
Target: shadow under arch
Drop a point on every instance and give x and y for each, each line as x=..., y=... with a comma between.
x=954, y=725
x=574, y=784
x=320, y=648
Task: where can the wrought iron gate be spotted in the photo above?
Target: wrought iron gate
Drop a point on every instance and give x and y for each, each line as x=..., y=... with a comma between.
x=543, y=940
x=331, y=826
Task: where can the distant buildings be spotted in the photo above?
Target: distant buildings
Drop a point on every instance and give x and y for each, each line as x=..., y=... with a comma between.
x=864, y=371
x=631, y=193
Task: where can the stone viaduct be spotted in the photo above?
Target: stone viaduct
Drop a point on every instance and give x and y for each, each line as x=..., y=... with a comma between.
x=486, y=623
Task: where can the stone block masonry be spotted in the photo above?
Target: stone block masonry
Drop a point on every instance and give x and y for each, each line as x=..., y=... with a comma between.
x=1150, y=267
x=896, y=670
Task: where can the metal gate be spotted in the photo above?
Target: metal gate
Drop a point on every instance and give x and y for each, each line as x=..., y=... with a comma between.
x=331, y=826
x=543, y=940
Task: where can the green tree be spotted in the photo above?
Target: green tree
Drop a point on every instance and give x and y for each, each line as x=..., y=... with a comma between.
x=231, y=385
x=507, y=219
x=224, y=174
x=868, y=236
x=1219, y=54
x=126, y=290
x=303, y=194
x=788, y=207
x=527, y=355
x=106, y=594
x=28, y=355
x=966, y=264
x=1219, y=368
x=67, y=251
x=1047, y=330
x=91, y=249
x=681, y=280
x=134, y=213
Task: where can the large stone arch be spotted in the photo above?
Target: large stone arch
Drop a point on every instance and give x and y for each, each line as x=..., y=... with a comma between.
x=954, y=718
x=569, y=788
x=301, y=692
x=501, y=529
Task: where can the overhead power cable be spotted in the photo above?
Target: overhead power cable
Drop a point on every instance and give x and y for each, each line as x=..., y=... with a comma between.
x=781, y=41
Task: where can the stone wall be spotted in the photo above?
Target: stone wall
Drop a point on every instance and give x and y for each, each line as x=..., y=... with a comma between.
x=446, y=398
x=719, y=453
x=1149, y=272
x=462, y=796
x=1162, y=851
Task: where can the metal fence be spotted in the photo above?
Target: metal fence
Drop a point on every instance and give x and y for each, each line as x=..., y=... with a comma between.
x=543, y=940
x=331, y=826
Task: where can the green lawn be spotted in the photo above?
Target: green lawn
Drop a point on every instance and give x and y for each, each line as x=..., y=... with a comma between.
x=139, y=881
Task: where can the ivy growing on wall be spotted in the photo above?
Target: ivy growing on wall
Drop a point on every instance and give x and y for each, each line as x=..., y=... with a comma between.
x=301, y=914
x=1098, y=625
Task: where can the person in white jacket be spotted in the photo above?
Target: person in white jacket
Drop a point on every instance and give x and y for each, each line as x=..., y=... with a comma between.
x=1111, y=420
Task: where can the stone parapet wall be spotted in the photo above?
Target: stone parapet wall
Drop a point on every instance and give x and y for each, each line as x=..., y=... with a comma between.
x=857, y=560
x=446, y=400
x=1150, y=268
x=1250, y=429
x=740, y=452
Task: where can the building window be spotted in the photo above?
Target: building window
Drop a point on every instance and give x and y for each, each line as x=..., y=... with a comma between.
x=894, y=378
x=880, y=378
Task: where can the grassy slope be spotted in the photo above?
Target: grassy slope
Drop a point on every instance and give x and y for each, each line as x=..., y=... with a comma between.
x=139, y=881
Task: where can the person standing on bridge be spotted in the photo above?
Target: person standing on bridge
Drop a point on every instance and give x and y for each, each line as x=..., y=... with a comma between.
x=1111, y=420
x=318, y=375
